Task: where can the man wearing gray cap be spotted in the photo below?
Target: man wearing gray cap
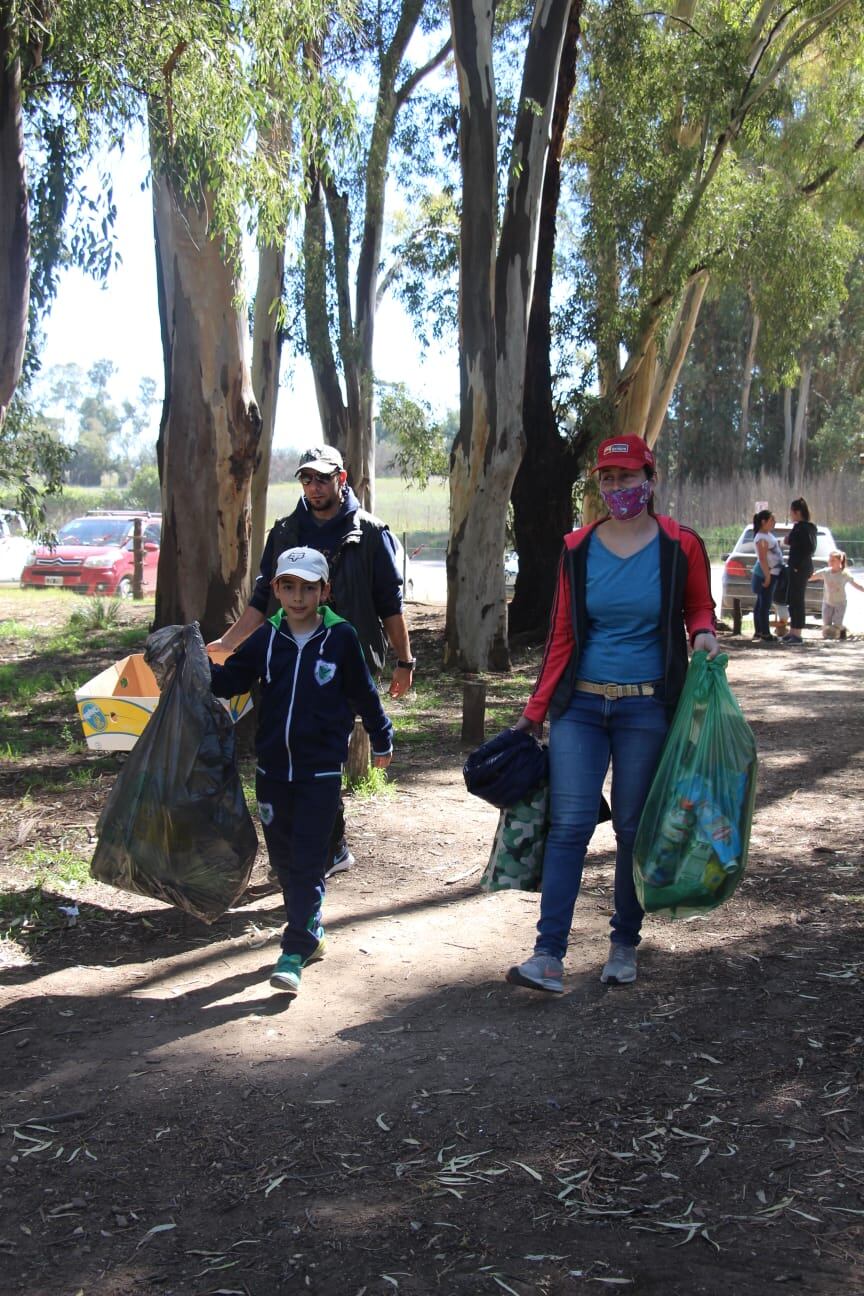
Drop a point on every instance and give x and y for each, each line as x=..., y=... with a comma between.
x=365, y=579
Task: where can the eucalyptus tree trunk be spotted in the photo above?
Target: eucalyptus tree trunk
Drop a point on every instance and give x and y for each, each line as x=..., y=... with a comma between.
x=496, y=284
x=266, y=360
x=542, y=496
x=799, y=427
x=14, y=218
x=347, y=415
x=787, y=431
x=208, y=437
x=331, y=406
x=747, y=384
x=643, y=396
x=667, y=370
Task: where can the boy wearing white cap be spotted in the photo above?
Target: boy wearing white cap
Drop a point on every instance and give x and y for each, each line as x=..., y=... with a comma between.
x=314, y=681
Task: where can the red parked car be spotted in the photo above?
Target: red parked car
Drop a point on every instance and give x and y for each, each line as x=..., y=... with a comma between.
x=93, y=555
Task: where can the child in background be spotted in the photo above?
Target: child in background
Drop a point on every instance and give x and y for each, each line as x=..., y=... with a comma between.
x=314, y=681
x=836, y=579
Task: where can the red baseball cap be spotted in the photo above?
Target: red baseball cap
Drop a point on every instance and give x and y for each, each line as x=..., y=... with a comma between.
x=624, y=452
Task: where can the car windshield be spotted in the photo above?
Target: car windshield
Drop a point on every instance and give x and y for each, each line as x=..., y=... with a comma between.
x=95, y=531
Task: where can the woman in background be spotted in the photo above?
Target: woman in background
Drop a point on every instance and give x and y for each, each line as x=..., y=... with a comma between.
x=769, y=560
x=801, y=541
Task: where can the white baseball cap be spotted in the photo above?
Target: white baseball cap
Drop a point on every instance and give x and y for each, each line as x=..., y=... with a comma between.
x=308, y=564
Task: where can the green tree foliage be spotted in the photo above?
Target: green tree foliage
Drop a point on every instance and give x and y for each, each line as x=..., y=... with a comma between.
x=422, y=448
x=33, y=459
x=708, y=141
x=703, y=433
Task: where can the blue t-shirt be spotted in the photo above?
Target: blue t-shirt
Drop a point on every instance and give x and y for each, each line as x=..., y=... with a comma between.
x=623, y=603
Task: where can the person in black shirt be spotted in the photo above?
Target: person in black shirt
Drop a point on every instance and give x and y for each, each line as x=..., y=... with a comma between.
x=801, y=541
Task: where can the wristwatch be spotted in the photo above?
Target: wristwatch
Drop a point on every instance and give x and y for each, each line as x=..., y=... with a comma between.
x=406, y=665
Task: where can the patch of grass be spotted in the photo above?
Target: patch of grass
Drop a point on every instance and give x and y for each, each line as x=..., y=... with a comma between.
x=56, y=866
x=73, y=740
x=97, y=614
x=8, y=752
x=414, y=733
x=374, y=783
x=15, y=630
x=84, y=775
x=20, y=911
x=17, y=686
x=248, y=785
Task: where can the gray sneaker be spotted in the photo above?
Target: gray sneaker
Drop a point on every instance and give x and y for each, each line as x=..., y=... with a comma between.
x=620, y=967
x=341, y=862
x=539, y=972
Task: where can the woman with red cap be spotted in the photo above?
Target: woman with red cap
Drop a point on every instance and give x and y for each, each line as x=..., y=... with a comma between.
x=632, y=588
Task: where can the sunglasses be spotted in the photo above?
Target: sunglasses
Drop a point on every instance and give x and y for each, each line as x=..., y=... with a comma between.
x=316, y=479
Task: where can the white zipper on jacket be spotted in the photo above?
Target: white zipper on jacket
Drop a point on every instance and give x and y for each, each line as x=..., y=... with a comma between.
x=273, y=633
x=291, y=712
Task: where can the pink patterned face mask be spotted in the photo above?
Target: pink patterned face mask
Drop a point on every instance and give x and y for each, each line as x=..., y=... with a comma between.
x=629, y=502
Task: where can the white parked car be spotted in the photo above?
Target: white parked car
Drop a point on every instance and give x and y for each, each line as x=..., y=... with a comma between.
x=15, y=545
x=403, y=562
x=511, y=568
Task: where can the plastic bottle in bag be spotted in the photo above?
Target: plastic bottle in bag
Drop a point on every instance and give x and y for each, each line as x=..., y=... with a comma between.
x=675, y=830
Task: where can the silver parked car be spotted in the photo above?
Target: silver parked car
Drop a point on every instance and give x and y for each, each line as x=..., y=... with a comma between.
x=738, y=573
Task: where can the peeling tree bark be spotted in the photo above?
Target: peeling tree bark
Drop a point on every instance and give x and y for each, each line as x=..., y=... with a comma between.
x=799, y=427
x=331, y=406
x=347, y=419
x=747, y=384
x=677, y=346
x=14, y=219
x=542, y=496
x=208, y=437
x=496, y=286
x=266, y=362
x=787, y=430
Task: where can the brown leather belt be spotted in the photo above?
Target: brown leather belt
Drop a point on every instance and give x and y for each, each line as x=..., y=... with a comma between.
x=613, y=691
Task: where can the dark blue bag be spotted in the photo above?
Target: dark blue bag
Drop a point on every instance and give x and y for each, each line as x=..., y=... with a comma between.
x=506, y=768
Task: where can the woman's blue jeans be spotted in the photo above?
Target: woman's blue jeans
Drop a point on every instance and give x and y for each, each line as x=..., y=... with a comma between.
x=592, y=730
x=764, y=599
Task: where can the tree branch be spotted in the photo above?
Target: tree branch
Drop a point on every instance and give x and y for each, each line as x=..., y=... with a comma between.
x=814, y=185
x=410, y=85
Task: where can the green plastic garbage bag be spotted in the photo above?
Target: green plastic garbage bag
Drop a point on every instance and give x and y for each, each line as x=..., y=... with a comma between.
x=516, y=859
x=691, y=844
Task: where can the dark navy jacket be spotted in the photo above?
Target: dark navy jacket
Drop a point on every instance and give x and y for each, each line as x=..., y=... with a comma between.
x=309, y=698
x=365, y=581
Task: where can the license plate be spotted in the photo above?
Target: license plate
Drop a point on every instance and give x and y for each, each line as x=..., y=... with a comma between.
x=53, y=580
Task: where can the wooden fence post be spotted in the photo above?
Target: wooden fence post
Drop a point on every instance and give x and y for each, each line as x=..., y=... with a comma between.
x=473, y=710
x=137, y=560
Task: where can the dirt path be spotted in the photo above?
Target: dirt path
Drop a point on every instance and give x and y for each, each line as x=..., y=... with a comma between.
x=410, y=1124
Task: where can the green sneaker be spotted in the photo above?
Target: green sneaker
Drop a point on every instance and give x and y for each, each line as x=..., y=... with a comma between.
x=286, y=974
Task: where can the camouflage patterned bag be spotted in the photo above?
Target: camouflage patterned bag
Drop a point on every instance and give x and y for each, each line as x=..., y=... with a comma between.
x=516, y=861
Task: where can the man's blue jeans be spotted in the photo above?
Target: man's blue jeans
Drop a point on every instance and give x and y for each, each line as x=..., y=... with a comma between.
x=764, y=599
x=593, y=729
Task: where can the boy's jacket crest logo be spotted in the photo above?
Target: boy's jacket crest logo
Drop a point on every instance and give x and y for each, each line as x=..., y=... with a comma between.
x=324, y=671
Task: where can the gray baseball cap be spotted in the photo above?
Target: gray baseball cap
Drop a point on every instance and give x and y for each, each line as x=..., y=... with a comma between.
x=321, y=459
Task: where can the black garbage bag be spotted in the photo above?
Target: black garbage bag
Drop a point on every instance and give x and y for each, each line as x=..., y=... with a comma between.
x=176, y=826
